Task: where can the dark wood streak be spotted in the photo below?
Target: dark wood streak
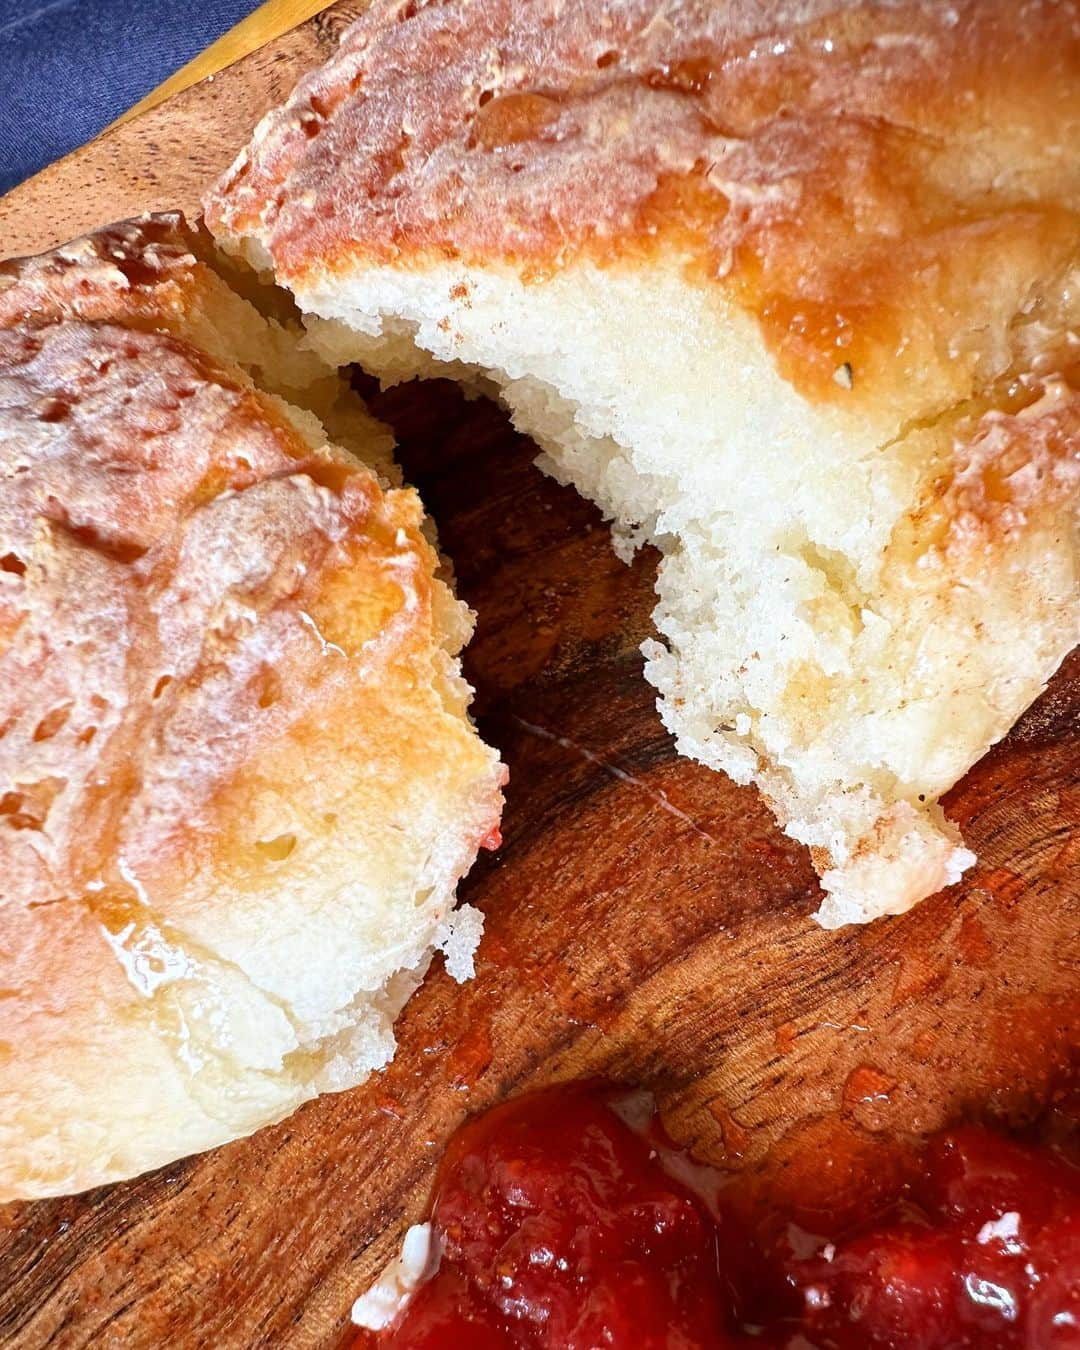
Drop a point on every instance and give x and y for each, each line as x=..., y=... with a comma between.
x=671, y=948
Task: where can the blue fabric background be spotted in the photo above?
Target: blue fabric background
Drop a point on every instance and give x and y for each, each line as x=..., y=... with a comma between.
x=68, y=67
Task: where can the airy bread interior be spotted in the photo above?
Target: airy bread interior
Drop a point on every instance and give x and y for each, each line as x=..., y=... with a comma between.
x=789, y=288
x=817, y=638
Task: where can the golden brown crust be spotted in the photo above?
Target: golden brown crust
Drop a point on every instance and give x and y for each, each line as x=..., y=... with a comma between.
x=1010, y=468
x=156, y=517
x=884, y=187
x=222, y=643
x=139, y=272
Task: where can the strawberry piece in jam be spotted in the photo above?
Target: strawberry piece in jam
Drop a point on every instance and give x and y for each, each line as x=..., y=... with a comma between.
x=987, y=1257
x=561, y=1231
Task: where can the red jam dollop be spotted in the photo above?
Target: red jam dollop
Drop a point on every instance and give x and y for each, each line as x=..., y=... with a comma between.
x=983, y=1251
x=563, y=1228
x=559, y=1229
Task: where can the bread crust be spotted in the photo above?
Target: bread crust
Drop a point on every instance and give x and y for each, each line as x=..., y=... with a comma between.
x=237, y=779
x=878, y=185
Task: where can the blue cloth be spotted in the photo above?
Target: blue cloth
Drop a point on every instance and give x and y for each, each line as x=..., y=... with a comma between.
x=69, y=67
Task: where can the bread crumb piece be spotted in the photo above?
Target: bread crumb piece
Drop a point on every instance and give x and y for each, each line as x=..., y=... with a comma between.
x=458, y=939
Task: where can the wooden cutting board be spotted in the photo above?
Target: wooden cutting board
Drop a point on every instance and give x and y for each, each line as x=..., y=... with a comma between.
x=645, y=918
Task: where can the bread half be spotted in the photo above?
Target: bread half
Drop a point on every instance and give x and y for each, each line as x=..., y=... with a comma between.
x=792, y=291
x=238, y=780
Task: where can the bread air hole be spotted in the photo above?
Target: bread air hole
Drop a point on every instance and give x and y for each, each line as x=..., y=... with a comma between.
x=278, y=848
x=52, y=722
x=270, y=691
x=54, y=410
x=28, y=807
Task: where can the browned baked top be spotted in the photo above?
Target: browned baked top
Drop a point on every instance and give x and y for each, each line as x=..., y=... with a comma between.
x=131, y=269
x=173, y=553
x=226, y=698
x=879, y=184
x=155, y=515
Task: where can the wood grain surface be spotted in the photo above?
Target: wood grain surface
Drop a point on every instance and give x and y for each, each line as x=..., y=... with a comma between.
x=166, y=157
x=645, y=918
x=262, y=25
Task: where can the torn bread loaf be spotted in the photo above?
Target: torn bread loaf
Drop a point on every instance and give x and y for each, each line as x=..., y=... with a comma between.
x=791, y=290
x=238, y=780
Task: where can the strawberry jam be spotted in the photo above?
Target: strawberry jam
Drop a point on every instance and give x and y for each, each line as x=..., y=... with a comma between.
x=984, y=1251
x=563, y=1228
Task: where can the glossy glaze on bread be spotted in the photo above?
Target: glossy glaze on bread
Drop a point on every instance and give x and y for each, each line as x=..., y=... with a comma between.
x=238, y=782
